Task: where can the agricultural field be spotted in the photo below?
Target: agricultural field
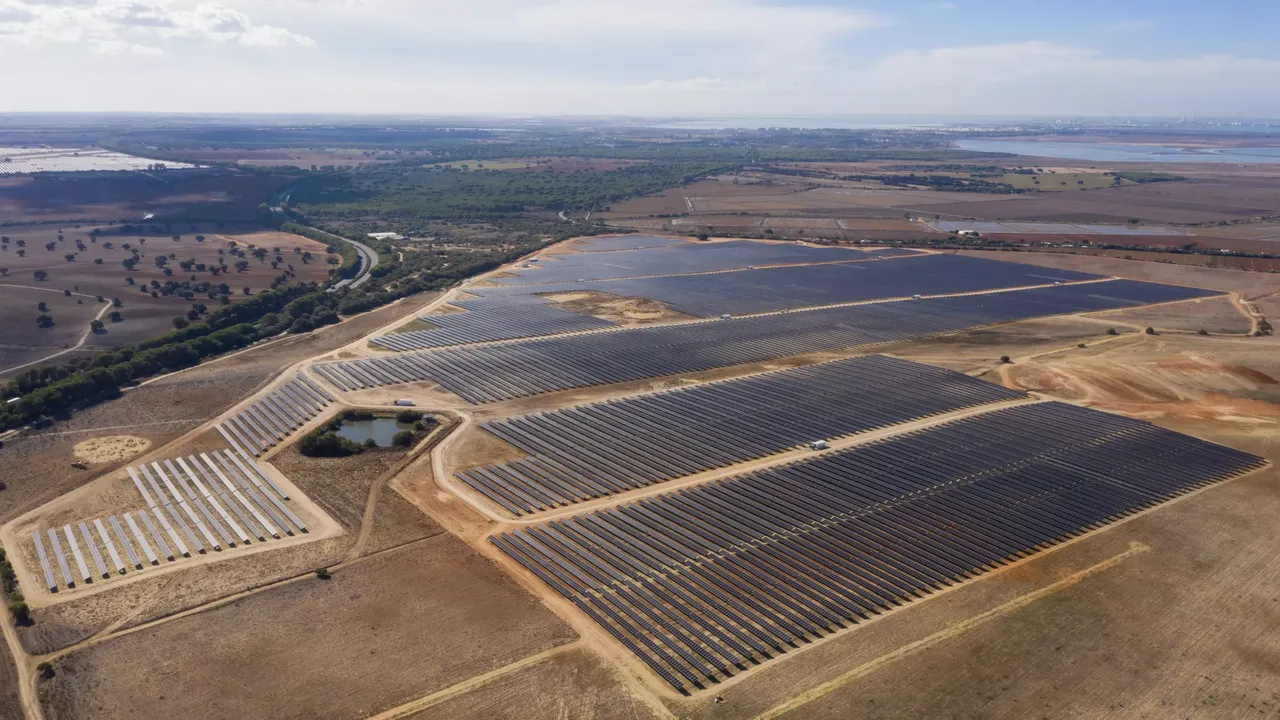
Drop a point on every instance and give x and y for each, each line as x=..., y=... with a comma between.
x=32, y=273
x=229, y=196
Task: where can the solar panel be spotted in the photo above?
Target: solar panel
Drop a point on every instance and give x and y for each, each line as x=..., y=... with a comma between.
x=786, y=555
x=44, y=563
x=492, y=373
x=124, y=541
x=600, y=449
x=111, y=546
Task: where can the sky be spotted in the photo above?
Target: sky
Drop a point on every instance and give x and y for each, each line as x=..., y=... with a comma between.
x=687, y=58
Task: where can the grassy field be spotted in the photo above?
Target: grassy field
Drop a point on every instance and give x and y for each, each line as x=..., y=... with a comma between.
x=1057, y=182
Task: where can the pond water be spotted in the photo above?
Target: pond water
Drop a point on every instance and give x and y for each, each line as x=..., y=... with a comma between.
x=381, y=429
x=1121, y=152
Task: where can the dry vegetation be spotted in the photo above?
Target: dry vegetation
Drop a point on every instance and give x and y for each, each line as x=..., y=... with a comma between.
x=389, y=629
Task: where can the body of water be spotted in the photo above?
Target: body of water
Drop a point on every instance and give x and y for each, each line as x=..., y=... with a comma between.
x=381, y=429
x=1122, y=152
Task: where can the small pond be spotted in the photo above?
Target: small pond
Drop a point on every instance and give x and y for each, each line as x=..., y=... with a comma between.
x=381, y=429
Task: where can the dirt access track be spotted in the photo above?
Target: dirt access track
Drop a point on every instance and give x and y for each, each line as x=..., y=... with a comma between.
x=428, y=620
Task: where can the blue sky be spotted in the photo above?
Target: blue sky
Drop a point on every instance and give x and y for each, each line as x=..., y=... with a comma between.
x=649, y=57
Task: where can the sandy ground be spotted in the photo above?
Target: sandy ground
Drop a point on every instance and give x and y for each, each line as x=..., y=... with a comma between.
x=110, y=449
x=623, y=311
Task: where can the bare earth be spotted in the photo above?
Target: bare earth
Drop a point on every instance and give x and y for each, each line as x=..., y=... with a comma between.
x=110, y=449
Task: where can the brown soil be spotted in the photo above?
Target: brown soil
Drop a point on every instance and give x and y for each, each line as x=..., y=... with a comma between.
x=574, y=684
x=624, y=311
x=1217, y=316
x=10, y=701
x=144, y=316
x=110, y=449
x=379, y=633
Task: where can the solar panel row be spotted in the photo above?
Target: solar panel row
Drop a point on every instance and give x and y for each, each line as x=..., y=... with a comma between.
x=529, y=367
x=509, y=313
x=788, y=288
x=601, y=449
x=226, y=497
x=700, y=583
x=685, y=258
x=488, y=319
x=274, y=417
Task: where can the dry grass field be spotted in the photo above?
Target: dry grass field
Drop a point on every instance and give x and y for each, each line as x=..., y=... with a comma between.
x=391, y=628
x=98, y=271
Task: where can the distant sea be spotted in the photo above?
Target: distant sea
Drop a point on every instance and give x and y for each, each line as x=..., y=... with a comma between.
x=1121, y=152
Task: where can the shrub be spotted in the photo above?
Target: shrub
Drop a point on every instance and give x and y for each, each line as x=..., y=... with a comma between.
x=1150, y=331
x=1005, y=359
x=370, y=443
x=46, y=670
x=323, y=442
x=404, y=438
x=1202, y=331
x=408, y=417
x=18, y=608
x=323, y=573
x=1112, y=331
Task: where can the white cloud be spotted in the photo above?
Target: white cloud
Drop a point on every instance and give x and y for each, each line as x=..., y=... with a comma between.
x=119, y=47
x=138, y=26
x=643, y=57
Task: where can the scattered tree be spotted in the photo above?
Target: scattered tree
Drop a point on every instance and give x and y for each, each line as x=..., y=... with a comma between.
x=96, y=326
x=44, y=321
x=1112, y=331
x=323, y=573
x=370, y=443
x=40, y=275
x=42, y=307
x=115, y=316
x=180, y=322
x=1150, y=331
x=404, y=438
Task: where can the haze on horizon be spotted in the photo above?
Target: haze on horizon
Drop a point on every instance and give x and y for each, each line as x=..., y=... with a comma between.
x=651, y=58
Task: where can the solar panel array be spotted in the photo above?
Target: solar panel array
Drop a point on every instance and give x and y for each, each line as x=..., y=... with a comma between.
x=627, y=242
x=598, y=450
x=787, y=288
x=207, y=502
x=529, y=367
x=486, y=319
x=684, y=258
x=14, y=161
x=705, y=582
x=276, y=416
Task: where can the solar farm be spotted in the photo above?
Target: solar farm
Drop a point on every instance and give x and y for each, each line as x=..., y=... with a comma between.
x=18, y=161
x=173, y=521
x=706, y=582
x=725, y=508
